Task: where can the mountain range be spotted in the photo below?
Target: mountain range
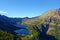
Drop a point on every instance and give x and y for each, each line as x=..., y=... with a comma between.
x=52, y=17
x=10, y=25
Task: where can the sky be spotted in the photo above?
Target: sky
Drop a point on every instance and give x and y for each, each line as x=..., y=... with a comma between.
x=27, y=8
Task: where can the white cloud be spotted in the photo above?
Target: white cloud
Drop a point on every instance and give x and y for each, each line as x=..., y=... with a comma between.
x=3, y=12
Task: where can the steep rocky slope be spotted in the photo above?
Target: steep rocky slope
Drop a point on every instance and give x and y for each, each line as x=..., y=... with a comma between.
x=48, y=16
x=51, y=17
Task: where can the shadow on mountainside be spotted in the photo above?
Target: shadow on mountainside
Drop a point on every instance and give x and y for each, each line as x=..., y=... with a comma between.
x=42, y=34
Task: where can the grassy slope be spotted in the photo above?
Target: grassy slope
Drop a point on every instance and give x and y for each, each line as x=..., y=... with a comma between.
x=5, y=36
x=54, y=28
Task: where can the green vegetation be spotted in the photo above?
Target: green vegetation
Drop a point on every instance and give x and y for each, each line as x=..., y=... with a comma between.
x=5, y=36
